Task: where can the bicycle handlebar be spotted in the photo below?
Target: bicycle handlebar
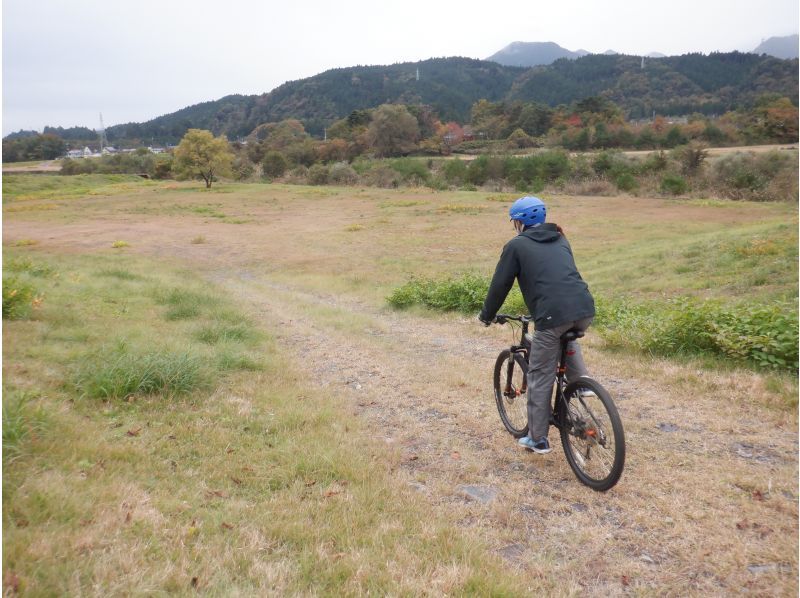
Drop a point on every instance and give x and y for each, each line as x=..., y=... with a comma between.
x=503, y=318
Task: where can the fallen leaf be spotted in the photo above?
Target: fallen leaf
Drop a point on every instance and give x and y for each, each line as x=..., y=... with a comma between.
x=11, y=581
x=134, y=431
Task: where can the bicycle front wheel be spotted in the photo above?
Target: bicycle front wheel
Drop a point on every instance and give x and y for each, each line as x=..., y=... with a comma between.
x=510, y=392
x=592, y=434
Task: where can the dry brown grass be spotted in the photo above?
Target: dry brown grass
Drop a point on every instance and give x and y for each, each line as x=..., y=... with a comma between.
x=708, y=502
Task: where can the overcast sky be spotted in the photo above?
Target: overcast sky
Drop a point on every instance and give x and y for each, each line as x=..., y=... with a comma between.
x=66, y=61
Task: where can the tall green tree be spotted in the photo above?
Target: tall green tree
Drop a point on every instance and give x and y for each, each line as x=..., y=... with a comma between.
x=393, y=131
x=201, y=155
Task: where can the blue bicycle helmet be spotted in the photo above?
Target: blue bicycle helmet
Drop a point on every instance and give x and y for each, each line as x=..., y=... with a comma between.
x=529, y=210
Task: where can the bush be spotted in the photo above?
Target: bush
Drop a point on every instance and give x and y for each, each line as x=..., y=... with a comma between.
x=318, y=174
x=626, y=182
x=382, y=175
x=770, y=176
x=455, y=171
x=464, y=294
x=273, y=165
x=763, y=335
x=411, y=171
x=19, y=298
x=674, y=184
x=341, y=173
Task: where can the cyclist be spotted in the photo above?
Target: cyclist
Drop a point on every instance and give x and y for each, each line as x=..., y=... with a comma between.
x=540, y=259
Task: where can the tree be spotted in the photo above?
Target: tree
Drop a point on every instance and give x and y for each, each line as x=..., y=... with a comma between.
x=201, y=155
x=274, y=164
x=393, y=131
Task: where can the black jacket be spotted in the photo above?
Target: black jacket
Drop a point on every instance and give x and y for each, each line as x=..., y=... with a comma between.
x=541, y=260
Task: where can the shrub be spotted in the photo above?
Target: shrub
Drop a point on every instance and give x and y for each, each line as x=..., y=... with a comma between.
x=19, y=298
x=455, y=171
x=674, y=184
x=691, y=158
x=412, y=171
x=520, y=139
x=382, y=175
x=318, y=174
x=273, y=164
x=763, y=335
x=770, y=176
x=341, y=173
x=626, y=182
x=464, y=294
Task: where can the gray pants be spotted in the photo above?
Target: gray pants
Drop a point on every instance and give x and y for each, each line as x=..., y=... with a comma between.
x=542, y=372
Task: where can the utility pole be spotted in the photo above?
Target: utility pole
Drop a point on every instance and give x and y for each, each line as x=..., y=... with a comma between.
x=102, y=134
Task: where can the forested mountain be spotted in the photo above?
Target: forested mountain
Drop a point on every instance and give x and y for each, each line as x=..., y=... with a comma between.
x=449, y=85
x=671, y=86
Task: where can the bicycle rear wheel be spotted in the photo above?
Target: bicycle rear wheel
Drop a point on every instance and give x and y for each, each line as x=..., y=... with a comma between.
x=510, y=393
x=592, y=434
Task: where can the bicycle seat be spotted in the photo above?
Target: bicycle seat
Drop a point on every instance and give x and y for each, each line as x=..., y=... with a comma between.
x=572, y=334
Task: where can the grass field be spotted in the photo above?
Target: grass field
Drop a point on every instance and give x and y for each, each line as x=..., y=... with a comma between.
x=211, y=393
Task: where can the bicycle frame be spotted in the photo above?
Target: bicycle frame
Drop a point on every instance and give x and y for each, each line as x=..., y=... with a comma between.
x=559, y=383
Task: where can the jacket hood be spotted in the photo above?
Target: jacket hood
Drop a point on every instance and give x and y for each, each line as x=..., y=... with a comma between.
x=544, y=233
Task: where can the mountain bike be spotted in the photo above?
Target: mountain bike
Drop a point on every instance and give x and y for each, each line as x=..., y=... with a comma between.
x=583, y=411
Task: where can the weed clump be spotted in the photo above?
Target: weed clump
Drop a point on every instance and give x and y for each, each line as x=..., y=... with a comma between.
x=122, y=374
x=19, y=298
x=183, y=304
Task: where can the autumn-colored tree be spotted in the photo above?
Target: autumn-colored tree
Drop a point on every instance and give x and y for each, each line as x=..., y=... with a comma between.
x=778, y=120
x=333, y=150
x=393, y=131
x=201, y=155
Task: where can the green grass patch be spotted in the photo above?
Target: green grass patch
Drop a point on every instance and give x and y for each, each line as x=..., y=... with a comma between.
x=23, y=420
x=122, y=374
x=183, y=304
x=760, y=335
x=22, y=187
x=464, y=294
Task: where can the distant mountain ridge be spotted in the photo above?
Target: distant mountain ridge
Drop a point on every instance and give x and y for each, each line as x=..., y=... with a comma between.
x=533, y=54
x=529, y=54
x=779, y=47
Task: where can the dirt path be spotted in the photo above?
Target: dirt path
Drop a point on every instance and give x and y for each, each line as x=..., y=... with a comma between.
x=707, y=503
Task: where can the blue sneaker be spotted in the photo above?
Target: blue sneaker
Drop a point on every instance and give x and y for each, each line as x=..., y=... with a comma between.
x=541, y=446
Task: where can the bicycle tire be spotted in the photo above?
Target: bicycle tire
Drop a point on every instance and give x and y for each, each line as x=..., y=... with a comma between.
x=592, y=435
x=511, y=405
